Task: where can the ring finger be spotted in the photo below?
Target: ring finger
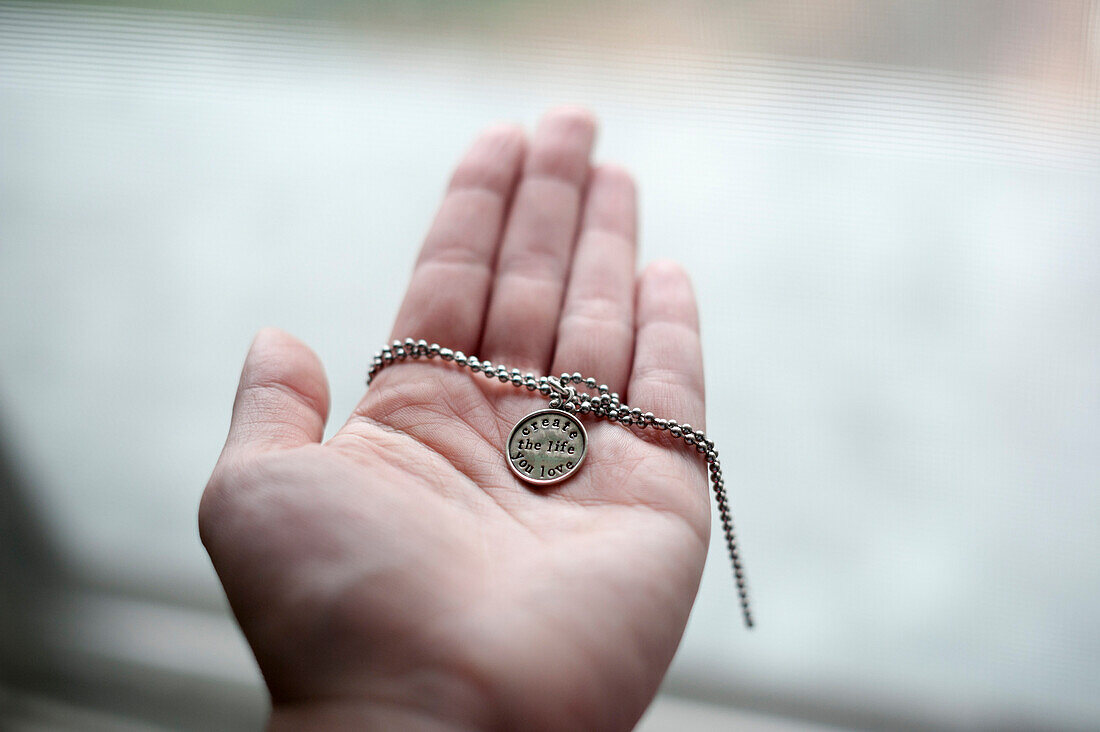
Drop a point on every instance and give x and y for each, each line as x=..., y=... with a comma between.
x=596, y=330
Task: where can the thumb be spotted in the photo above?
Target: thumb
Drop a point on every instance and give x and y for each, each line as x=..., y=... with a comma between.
x=282, y=399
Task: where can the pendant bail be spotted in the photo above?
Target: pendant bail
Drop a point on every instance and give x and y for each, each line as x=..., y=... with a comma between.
x=565, y=395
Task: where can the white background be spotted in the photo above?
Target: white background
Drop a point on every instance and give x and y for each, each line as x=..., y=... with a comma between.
x=897, y=265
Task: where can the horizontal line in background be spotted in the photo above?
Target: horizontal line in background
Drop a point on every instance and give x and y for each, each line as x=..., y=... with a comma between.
x=320, y=38
x=100, y=49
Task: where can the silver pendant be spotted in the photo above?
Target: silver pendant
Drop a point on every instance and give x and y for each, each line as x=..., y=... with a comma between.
x=547, y=446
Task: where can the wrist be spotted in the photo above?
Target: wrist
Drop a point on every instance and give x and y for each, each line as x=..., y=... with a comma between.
x=335, y=715
x=425, y=701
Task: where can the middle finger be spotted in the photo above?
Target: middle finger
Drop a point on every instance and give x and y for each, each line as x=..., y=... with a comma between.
x=534, y=258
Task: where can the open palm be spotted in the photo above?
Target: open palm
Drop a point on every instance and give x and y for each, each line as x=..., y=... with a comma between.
x=399, y=575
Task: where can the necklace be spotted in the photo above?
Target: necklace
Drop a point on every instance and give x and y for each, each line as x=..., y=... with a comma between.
x=548, y=445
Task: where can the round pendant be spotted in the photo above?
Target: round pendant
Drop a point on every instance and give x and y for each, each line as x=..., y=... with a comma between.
x=547, y=446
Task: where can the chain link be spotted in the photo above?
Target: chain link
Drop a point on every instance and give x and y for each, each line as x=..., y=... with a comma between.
x=605, y=404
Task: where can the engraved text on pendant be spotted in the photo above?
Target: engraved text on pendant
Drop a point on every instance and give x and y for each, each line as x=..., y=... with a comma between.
x=547, y=446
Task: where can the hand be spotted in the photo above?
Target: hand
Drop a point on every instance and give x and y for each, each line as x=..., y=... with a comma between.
x=399, y=576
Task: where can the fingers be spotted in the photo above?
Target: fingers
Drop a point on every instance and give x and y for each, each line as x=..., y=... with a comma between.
x=447, y=296
x=282, y=399
x=596, y=330
x=538, y=243
x=667, y=378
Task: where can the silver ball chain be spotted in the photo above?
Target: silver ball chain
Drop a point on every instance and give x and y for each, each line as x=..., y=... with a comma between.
x=605, y=404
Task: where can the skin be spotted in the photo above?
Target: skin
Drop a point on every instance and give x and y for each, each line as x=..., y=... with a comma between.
x=399, y=576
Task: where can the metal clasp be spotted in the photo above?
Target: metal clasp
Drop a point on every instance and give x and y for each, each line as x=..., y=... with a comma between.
x=556, y=386
x=565, y=394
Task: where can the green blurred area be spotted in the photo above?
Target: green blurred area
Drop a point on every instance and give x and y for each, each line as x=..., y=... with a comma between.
x=1044, y=42
x=327, y=9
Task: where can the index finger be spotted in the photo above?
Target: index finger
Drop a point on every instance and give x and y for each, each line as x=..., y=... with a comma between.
x=449, y=289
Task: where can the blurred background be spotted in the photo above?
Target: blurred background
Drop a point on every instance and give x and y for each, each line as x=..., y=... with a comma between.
x=892, y=214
